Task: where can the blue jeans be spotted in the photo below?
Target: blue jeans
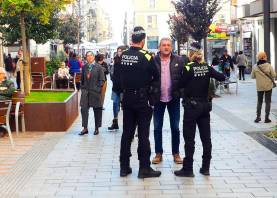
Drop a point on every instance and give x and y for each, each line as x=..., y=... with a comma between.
x=173, y=108
x=116, y=104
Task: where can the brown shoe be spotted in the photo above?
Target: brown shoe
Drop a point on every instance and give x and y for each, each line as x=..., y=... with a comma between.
x=157, y=159
x=177, y=159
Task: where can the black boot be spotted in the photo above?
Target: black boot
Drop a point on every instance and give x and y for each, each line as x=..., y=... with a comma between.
x=187, y=170
x=96, y=132
x=257, y=120
x=205, y=169
x=125, y=168
x=267, y=120
x=148, y=172
x=184, y=172
x=124, y=171
x=114, y=125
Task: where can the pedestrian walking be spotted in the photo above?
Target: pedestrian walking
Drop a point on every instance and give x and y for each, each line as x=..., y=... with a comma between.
x=91, y=84
x=19, y=69
x=115, y=93
x=264, y=74
x=197, y=107
x=170, y=67
x=234, y=58
x=137, y=73
x=242, y=64
x=100, y=60
x=9, y=65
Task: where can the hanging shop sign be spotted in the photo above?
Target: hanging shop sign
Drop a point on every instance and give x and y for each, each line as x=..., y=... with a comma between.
x=218, y=31
x=222, y=35
x=218, y=28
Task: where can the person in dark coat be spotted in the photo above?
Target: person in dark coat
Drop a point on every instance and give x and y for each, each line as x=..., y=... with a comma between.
x=115, y=94
x=91, y=84
x=226, y=64
x=100, y=60
x=215, y=61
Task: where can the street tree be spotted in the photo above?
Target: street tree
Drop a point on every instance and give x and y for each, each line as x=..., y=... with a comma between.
x=39, y=32
x=198, y=15
x=179, y=30
x=42, y=10
x=69, y=30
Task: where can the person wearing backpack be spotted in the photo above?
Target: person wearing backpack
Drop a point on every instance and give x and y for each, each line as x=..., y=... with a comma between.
x=226, y=64
x=264, y=74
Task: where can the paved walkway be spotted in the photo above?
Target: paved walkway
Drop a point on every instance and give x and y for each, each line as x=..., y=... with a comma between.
x=66, y=165
x=9, y=156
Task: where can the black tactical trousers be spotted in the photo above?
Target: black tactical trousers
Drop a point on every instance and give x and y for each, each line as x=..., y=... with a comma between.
x=198, y=114
x=136, y=112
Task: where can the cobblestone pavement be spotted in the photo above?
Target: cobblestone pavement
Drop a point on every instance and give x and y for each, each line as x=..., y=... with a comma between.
x=66, y=165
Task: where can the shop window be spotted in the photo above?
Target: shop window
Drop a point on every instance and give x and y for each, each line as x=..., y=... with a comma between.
x=152, y=42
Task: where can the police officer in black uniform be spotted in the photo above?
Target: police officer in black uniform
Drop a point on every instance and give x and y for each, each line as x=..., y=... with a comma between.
x=137, y=73
x=197, y=107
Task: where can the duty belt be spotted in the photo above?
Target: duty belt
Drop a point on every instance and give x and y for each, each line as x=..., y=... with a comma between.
x=197, y=99
x=135, y=91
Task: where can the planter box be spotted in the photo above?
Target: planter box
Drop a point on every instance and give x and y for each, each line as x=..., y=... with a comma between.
x=52, y=116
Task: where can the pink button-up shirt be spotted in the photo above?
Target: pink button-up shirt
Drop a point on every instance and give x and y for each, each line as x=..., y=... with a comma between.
x=166, y=84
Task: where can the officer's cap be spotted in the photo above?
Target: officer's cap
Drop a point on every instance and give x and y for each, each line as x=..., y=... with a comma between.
x=195, y=46
x=138, y=34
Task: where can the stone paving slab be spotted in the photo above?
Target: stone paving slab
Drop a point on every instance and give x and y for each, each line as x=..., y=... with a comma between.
x=89, y=166
x=27, y=164
x=24, y=142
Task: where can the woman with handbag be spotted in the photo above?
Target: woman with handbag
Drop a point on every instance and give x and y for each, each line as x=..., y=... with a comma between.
x=264, y=74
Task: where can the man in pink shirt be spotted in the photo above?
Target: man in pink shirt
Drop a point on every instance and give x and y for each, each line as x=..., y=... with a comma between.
x=170, y=67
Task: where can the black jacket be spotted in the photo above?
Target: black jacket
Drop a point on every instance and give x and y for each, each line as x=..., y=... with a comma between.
x=228, y=59
x=177, y=64
x=136, y=70
x=196, y=79
x=105, y=69
x=114, y=71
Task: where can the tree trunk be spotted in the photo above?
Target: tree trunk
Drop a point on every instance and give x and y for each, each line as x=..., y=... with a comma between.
x=205, y=49
x=28, y=60
x=24, y=87
x=178, y=47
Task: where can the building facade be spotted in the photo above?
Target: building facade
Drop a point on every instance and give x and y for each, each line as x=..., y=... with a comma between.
x=250, y=15
x=153, y=15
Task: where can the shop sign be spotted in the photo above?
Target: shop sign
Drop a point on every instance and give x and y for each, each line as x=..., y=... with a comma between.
x=221, y=35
